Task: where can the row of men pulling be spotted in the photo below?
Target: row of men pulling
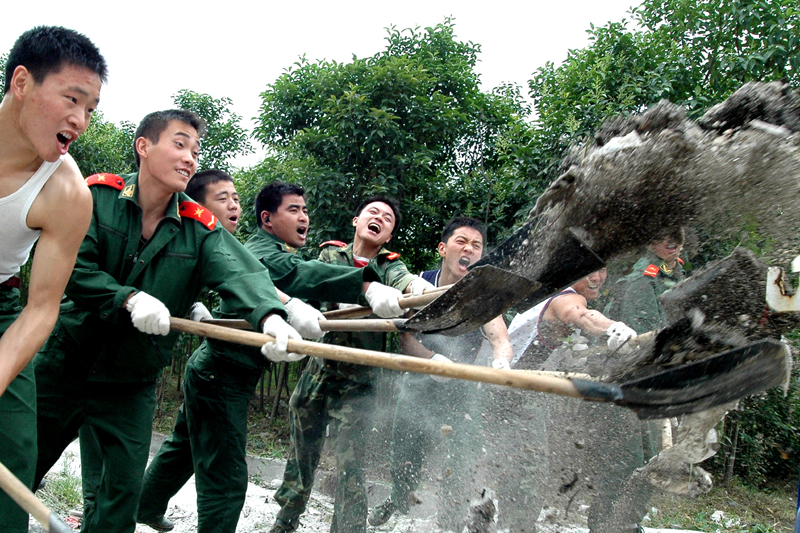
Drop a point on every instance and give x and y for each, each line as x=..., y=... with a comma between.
x=147, y=253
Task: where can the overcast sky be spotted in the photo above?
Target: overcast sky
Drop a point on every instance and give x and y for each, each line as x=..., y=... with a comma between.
x=235, y=49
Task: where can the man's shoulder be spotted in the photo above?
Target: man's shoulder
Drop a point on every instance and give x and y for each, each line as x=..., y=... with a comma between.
x=335, y=251
x=388, y=256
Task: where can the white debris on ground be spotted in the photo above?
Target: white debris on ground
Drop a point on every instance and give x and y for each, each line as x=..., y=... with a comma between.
x=259, y=512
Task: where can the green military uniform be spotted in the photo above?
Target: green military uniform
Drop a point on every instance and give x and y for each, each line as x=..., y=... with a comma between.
x=96, y=369
x=621, y=437
x=17, y=422
x=330, y=391
x=639, y=307
x=210, y=432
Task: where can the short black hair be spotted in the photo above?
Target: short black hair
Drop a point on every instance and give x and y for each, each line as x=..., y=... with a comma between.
x=153, y=124
x=196, y=188
x=461, y=222
x=392, y=202
x=44, y=50
x=270, y=197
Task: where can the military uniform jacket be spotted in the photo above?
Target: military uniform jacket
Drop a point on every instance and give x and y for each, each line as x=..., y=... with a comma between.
x=391, y=271
x=640, y=308
x=298, y=278
x=182, y=256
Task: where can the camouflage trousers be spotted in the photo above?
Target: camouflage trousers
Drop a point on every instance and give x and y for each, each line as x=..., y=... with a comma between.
x=321, y=398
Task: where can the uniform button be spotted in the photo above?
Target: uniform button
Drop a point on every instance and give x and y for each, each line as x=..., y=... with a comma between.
x=141, y=262
x=212, y=376
x=130, y=256
x=104, y=315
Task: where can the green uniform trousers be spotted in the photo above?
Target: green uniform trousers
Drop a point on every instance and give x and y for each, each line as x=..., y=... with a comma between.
x=209, y=440
x=120, y=417
x=17, y=425
x=321, y=398
x=424, y=407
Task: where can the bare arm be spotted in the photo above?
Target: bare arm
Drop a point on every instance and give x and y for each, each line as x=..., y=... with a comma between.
x=571, y=309
x=497, y=333
x=409, y=345
x=62, y=211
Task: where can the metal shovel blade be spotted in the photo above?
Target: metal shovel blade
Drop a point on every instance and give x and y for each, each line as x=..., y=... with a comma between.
x=483, y=294
x=723, y=378
x=555, y=260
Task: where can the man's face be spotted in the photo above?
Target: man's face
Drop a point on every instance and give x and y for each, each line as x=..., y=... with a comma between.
x=172, y=161
x=223, y=200
x=463, y=248
x=669, y=249
x=589, y=287
x=290, y=221
x=56, y=111
x=375, y=223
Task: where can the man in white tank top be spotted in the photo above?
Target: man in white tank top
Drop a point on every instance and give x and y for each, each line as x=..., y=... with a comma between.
x=52, y=85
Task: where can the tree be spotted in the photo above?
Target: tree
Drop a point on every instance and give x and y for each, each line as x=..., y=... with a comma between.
x=409, y=121
x=104, y=147
x=225, y=137
x=694, y=54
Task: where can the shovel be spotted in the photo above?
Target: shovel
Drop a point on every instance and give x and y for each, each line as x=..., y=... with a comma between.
x=555, y=260
x=29, y=503
x=477, y=298
x=406, y=302
x=719, y=379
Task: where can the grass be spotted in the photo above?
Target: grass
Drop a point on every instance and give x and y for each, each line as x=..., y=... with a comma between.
x=743, y=510
x=63, y=490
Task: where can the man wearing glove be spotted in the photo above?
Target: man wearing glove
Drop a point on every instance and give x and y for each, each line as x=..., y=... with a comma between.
x=536, y=332
x=148, y=253
x=210, y=432
x=427, y=402
x=337, y=393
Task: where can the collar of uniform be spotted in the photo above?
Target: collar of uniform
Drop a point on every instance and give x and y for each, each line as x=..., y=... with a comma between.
x=130, y=193
x=272, y=238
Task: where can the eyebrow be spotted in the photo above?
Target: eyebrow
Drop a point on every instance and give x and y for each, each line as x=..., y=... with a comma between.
x=290, y=206
x=81, y=90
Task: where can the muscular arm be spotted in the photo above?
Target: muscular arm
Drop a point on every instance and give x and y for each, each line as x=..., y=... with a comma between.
x=409, y=345
x=62, y=212
x=497, y=333
x=571, y=309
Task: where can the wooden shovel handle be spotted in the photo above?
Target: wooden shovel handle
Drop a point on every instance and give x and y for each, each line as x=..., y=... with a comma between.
x=369, y=324
x=406, y=302
x=29, y=503
x=403, y=363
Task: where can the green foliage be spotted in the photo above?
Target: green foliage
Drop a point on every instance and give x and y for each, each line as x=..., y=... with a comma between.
x=3, y=61
x=225, y=137
x=693, y=53
x=63, y=490
x=409, y=121
x=104, y=147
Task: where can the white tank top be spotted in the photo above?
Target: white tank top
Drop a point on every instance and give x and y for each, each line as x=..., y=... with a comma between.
x=16, y=238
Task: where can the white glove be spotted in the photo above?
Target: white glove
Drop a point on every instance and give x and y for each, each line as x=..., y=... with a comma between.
x=618, y=333
x=383, y=300
x=199, y=312
x=277, y=351
x=148, y=314
x=501, y=364
x=419, y=285
x=304, y=318
x=442, y=359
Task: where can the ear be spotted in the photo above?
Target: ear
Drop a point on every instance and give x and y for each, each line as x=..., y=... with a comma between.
x=441, y=249
x=355, y=221
x=21, y=82
x=142, y=144
x=264, y=220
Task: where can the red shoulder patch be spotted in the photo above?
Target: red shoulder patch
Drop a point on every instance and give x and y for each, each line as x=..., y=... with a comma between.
x=680, y=261
x=112, y=180
x=339, y=244
x=392, y=256
x=199, y=213
x=651, y=271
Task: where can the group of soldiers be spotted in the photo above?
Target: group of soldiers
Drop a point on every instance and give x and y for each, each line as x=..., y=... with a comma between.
x=115, y=260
